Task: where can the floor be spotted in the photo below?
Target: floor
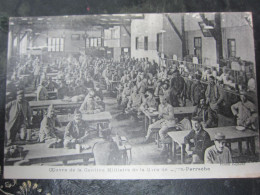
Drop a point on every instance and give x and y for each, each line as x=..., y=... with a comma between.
x=150, y=154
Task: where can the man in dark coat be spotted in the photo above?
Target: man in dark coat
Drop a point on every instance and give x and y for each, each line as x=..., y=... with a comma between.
x=178, y=90
x=208, y=117
x=197, y=90
x=201, y=140
x=18, y=117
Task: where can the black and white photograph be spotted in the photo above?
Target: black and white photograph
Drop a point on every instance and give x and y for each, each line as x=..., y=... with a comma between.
x=126, y=90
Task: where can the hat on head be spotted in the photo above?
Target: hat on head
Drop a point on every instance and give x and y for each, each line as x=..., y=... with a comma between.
x=77, y=112
x=105, y=132
x=219, y=136
x=211, y=77
x=51, y=107
x=196, y=118
x=242, y=92
x=20, y=92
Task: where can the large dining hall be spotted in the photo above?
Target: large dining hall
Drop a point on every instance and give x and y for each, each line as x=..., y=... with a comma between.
x=131, y=89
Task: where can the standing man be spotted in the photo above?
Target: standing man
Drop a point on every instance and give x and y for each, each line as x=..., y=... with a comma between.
x=18, y=117
x=201, y=141
x=218, y=153
x=178, y=90
x=197, y=90
x=245, y=111
x=214, y=95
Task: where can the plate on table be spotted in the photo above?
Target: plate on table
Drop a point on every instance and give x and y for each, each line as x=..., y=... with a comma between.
x=240, y=128
x=151, y=109
x=156, y=112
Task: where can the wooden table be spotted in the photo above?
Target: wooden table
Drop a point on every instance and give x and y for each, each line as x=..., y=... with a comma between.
x=33, y=96
x=184, y=110
x=148, y=119
x=40, y=153
x=149, y=116
x=36, y=105
x=98, y=117
x=231, y=133
x=52, y=74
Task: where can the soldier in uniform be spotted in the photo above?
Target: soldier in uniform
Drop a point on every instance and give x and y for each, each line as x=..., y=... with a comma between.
x=48, y=130
x=76, y=132
x=18, y=117
x=201, y=141
x=42, y=93
x=166, y=120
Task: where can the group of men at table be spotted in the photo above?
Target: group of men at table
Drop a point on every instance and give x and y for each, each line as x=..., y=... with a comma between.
x=76, y=132
x=142, y=84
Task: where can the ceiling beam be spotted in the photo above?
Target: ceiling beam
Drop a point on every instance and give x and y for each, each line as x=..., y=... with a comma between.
x=174, y=27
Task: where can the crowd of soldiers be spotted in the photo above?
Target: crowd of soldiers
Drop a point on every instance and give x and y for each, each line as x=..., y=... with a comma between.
x=142, y=85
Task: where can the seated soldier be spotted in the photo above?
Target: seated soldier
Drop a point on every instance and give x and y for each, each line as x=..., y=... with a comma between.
x=51, y=85
x=99, y=92
x=106, y=151
x=208, y=117
x=149, y=101
x=166, y=121
x=135, y=100
x=48, y=132
x=201, y=141
x=63, y=90
x=76, y=132
x=88, y=83
x=90, y=105
x=218, y=153
x=42, y=93
x=245, y=111
x=125, y=94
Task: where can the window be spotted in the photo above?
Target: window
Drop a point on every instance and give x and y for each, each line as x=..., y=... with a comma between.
x=159, y=42
x=145, y=43
x=198, y=48
x=93, y=42
x=136, y=43
x=55, y=44
x=231, y=48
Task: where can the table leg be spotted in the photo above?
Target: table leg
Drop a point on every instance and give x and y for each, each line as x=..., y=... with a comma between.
x=240, y=147
x=252, y=145
x=174, y=150
x=145, y=123
x=182, y=154
x=65, y=162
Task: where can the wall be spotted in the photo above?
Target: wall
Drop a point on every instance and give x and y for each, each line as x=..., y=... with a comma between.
x=125, y=39
x=209, y=55
x=149, y=26
x=235, y=26
x=172, y=44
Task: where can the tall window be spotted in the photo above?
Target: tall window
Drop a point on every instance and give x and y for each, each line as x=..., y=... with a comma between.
x=55, y=44
x=93, y=42
x=231, y=48
x=145, y=43
x=159, y=42
x=136, y=43
x=198, y=48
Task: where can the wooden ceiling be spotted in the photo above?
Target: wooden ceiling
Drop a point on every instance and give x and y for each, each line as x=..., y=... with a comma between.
x=72, y=22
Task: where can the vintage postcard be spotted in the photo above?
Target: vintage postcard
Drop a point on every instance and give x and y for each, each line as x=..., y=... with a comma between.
x=131, y=96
